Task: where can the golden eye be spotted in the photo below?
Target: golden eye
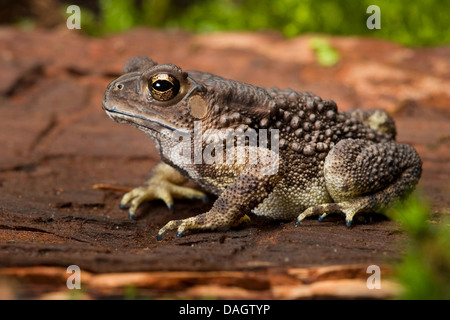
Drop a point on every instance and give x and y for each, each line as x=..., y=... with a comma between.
x=164, y=87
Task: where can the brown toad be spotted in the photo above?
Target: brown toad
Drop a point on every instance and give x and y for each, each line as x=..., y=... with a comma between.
x=311, y=158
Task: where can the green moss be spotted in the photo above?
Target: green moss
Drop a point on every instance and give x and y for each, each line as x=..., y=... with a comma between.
x=326, y=55
x=424, y=271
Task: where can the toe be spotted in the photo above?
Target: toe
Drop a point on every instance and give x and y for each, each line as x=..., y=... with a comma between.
x=127, y=197
x=187, y=193
x=165, y=196
x=135, y=203
x=171, y=225
x=300, y=218
x=179, y=234
x=308, y=212
x=349, y=214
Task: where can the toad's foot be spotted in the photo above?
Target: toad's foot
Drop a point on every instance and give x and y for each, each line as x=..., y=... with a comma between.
x=202, y=222
x=163, y=190
x=348, y=208
x=164, y=185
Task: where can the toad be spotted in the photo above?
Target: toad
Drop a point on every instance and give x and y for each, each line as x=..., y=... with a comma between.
x=291, y=154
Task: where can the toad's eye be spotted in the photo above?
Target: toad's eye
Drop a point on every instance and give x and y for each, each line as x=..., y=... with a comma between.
x=164, y=87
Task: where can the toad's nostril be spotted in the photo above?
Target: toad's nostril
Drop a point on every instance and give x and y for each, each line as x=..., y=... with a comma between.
x=119, y=86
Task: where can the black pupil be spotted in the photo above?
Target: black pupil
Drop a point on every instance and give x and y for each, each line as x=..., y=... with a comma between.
x=162, y=85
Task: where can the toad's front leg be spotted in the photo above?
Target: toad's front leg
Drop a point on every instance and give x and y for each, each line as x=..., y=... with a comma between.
x=250, y=188
x=165, y=184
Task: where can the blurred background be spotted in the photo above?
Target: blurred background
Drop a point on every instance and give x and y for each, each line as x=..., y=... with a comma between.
x=57, y=142
x=418, y=23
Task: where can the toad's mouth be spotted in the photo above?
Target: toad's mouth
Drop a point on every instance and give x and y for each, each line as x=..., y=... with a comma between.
x=139, y=121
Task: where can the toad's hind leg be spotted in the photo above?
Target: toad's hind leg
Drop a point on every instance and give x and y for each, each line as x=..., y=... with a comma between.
x=363, y=176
